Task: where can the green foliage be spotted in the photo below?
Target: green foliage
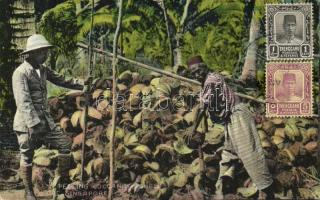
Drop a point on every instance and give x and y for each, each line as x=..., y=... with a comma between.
x=103, y=17
x=54, y=91
x=220, y=44
x=59, y=26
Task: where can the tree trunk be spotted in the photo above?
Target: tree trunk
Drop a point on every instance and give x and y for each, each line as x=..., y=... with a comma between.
x=163, y=6
x=249, y=68
x=179, y=34
x=23, y=22
x=177, y=50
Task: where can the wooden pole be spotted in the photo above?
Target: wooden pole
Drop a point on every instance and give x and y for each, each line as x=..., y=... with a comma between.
x=166, y=73
x=86, y=93
x=114, y=100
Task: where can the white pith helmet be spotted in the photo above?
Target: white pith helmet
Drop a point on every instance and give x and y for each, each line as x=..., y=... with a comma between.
x=36, y=41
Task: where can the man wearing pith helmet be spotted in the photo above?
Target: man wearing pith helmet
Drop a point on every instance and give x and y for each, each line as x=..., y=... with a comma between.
x=242, y=141
x=33, y=124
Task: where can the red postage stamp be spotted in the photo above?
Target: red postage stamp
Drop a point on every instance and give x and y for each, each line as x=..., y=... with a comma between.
x=289, y=89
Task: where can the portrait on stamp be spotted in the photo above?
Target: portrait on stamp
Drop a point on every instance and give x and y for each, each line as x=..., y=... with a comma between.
x=289, y=28
x=289, y=31
x=289, y=89
x=289, y=86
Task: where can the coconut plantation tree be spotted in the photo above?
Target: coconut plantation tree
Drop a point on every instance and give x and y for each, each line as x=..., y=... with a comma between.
x=142, y=33
x=186, y=16
x=59, y=26
x=219, y=43
x=138, y=33
x=255, y=15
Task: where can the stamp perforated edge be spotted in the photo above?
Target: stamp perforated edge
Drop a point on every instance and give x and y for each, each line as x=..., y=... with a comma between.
x=312, y=88
x=312, y=34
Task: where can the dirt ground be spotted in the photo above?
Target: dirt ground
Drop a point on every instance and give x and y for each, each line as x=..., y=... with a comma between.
x=19, y=195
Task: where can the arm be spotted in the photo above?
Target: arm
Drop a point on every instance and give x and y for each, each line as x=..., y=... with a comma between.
x=59, y=80
x=23, y=99
x=199, y=114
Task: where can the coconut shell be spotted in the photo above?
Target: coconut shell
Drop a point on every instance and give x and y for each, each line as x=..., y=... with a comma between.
x=265, y=143
x=311, y=146
x=42, y=161
x=280, y=132
x=262, y=134
x=102, y=105
x=75, y=118
x=76, y=156
x=97, y=93
x=137, y=119
x=312, y=132
x=77, y=141
x=65, y=124
x=94, y=113
x=278, y=141
x=153, y=179
x=107, y=94
x=125, y=76
x=268, y=127
x=122, y=88
x=136, y=89
x=143, y=150
x=151, y=165
x=277, y=121
x=291, y=131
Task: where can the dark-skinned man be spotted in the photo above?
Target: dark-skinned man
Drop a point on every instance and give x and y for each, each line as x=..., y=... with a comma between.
x=241, y=138
x=33, y=124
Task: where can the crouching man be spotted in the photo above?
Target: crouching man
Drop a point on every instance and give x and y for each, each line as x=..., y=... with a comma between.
x=241, y=138
x=33, y=124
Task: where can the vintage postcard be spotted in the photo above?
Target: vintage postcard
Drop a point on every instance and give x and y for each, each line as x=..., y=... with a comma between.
x=289, y=31
x=289, y=89
x=158, y=99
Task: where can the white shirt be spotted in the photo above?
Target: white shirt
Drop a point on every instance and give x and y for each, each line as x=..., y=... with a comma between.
x=38, y=72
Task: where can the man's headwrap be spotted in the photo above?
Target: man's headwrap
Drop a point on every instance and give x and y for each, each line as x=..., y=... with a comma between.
x=218, y=96
x=195, y=63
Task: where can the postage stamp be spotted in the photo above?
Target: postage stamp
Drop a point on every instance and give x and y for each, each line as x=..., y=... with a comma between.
x=289, y=89
x=289, y=31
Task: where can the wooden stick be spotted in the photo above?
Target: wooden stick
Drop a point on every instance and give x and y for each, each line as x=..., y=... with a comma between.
x=163, y=72
x=114, y=100
x=86, y=94
x=307, y=174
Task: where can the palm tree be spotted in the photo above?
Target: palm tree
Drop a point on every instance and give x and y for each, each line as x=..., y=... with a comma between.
x=249, y=68
x=220, y=43
x=257, y=12
x=187, y=17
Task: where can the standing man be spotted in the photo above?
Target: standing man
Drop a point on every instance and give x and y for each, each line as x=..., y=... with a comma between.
x=33, y=124
x=241, y=138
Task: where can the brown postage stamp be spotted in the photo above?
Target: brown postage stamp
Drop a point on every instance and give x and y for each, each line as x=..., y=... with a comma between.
x=289, y=89
x=289, y=31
